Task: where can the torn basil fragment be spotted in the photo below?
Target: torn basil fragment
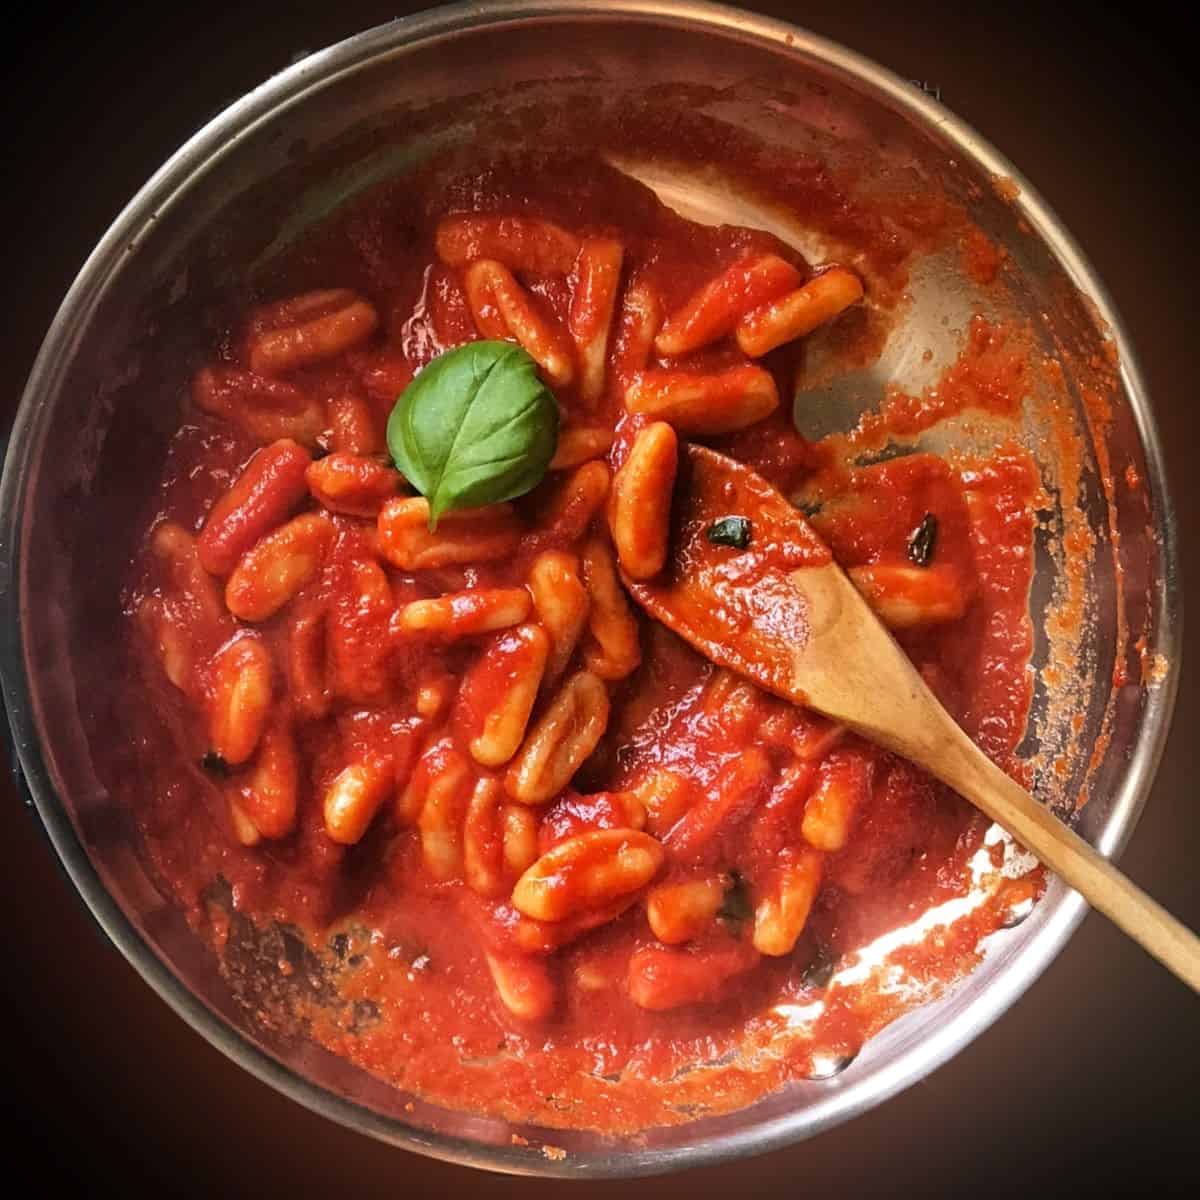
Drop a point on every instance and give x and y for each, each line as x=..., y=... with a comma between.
x=730, y=531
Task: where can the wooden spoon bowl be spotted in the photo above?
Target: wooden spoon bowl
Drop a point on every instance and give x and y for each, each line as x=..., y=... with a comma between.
x=780, y=611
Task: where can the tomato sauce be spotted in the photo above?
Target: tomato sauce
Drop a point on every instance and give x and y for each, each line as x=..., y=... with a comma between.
x=739, y=791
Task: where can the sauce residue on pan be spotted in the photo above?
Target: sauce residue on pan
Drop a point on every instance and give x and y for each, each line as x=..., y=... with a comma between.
x=402, y=985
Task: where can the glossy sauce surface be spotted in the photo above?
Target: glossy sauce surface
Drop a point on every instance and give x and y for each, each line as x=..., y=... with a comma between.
x=725, y=778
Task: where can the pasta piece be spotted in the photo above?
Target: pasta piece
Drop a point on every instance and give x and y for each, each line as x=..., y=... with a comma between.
x=772, y=826
x=435, y=690
x=469, y=536
x=781, y=914
x=352, y=485
x=354, y=797
x=464, y=614
x=593, y=977
x=580, y=445
x=280, y=314
x=726, y=691
x=478, y=281
x=243, y=828
x=843, y=784
x=269, y=797
x=189, y=585
x=170, y=640
x=561, y=603
x=441, y=839
x=715, y=309
x=309, y=329
x=732, y=703
x=561, y=740
x=587, y=871
x=666, y=796
x=353, y=427
x=816, y=738
x=520, y=834
x=597, y=278
x=791, y=316
x=742, y=784
x=498, y=693
x=640, y=510
x=640, y=320
x=384, y=374
x=357, y=632
x=679, y=912
x=308, y=684
x=906, y=597
x=483, y=840
x=578, y=499
x=704, y=405
x=187, y=620
x=661, y=978
x=613, y=650
x=269, y=488
x=441, y=767
x=520, y=243
x=267, y=409
x=545, y=937
x=524, y=985
x=436, y=799
x=241, y=685
x=276, y=567
x=502, y=308
x=574, y=813
x=629, y=808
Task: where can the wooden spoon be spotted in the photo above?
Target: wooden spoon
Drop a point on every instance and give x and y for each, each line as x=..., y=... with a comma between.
x=782, y=613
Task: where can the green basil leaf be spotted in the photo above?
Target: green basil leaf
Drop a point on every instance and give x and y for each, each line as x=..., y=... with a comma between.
x=476, y=426
x=730, y=531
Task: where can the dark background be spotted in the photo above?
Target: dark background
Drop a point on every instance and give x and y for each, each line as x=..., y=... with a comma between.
x=1090, y=1081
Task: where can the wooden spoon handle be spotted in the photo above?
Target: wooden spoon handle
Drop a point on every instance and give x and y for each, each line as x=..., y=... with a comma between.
x=978, y=779
x=804, y=632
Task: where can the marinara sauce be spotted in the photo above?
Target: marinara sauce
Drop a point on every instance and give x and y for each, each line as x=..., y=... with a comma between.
x=543, y=858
